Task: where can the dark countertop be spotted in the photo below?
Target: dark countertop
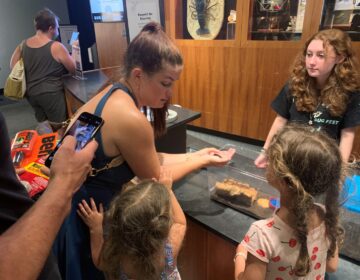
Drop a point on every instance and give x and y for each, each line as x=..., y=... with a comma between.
x=193, y=194
x=184, y=116
x=194, y=197
x=95, y=80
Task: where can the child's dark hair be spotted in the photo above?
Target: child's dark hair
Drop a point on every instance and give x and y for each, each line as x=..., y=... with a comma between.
x=45, y=19
x=137, y=225
x=151, y=50
x=310, y=163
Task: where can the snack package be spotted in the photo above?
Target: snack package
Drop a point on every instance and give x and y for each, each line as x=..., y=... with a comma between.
x=33, y=179
x=22, y=146
x=29, y=151
x=28, y=146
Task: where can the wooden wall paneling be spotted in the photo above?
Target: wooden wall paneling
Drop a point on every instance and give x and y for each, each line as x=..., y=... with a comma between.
x=312, y=18
x=356, y=147
x=233, y=82
x=192, y=263
x=167, y=12
x=178, y=19
x=205, y=255
x=220, y=257
x=234, y=88
x=72, y=104
x=245, y=8
x=170, y=17
x=111, y=43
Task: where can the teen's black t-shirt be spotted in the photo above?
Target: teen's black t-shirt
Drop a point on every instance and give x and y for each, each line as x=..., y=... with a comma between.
x=14, y=199
x=320, y=119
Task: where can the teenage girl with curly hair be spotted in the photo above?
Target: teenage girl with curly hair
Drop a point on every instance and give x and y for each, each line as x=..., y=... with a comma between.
x=301, y=240
x=323, y=91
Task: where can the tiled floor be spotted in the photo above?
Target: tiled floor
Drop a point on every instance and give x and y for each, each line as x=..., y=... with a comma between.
x=19, y=116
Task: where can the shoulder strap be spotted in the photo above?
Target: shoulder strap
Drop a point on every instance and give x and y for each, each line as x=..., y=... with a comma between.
x=99, y=108
x=21, y=46
x=116, y=161
x=116, y=86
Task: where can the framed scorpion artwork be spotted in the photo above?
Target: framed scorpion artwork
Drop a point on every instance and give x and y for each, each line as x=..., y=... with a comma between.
x=204, y=18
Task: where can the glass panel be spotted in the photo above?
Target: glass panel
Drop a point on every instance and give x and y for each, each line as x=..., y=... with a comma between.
x=280, y=20
x=206, y=19
x=344, y=15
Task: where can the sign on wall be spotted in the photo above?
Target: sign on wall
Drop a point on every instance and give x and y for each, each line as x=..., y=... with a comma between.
x=139, y=13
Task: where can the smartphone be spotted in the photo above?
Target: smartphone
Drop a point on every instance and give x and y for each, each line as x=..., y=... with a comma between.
x=83, y=129
x=74, y=37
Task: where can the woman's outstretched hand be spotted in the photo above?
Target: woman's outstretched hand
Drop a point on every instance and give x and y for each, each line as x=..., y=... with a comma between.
x=216, y=157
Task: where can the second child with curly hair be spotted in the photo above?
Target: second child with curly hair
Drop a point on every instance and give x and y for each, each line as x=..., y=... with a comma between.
x=301, y=240
x=143, y=232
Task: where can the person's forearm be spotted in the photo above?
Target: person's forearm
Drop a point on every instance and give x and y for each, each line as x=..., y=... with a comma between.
x=240, y=261
x=346, y=143
x=239, y=268
x=169, y=159
x=178, y=227
x=29, y=240
x=278, y=123
x=191, y=163
x=97, y=240
x=177, y=212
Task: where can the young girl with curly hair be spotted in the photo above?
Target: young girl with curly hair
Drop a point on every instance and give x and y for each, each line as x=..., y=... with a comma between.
x=143, y=232
x=323, y=91
x=301, y=240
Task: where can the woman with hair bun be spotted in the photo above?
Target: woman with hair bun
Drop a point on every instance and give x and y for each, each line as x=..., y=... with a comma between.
x=152, y=64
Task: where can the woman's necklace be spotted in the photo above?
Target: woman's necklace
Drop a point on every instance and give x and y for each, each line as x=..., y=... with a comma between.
x=311, y=118
x=317, y=113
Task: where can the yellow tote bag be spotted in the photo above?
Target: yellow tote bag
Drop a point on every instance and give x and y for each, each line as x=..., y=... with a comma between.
x=15, y=86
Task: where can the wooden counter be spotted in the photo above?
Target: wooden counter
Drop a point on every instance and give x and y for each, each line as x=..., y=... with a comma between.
x=78, y=92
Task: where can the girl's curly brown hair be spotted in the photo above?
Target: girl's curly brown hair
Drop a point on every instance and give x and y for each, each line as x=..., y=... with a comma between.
x=343, y=81
x=137, y=225
x=310, y=163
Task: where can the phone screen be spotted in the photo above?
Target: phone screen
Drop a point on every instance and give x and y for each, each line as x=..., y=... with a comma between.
x=83, y=129
x=74, y=37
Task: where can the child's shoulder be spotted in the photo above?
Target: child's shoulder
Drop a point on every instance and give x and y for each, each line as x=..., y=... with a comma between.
x=264, y=222
x=272, y=225
x=264, y=225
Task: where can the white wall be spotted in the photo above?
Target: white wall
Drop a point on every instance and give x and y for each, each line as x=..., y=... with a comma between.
x=16, y=24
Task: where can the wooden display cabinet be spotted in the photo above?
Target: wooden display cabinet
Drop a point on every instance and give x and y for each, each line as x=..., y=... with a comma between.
x=232, y=82
x=205, y=255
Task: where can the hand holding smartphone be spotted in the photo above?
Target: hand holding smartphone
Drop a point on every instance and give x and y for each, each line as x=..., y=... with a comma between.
x=83, y=129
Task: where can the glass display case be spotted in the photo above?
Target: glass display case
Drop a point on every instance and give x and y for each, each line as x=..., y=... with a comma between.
x=280, y=20
x=342, y=14
x=242, y=186
x=206, y=19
